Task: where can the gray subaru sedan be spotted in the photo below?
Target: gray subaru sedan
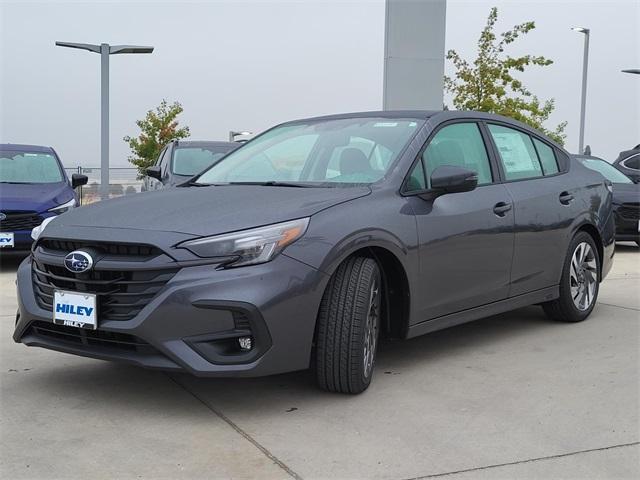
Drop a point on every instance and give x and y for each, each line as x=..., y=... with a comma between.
x=313, y=241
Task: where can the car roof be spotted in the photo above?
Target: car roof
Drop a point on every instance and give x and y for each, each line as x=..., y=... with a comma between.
x=206, y=143
x=419, y=114
x=20, y=147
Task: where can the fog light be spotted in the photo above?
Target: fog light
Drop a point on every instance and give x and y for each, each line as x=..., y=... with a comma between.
x=246, y=343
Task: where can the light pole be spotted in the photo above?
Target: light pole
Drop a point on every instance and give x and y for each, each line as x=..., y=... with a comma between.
x=585, y=63
x=104, y=49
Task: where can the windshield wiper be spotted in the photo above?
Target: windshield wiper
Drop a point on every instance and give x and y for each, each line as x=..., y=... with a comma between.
x=14, y=183
x=192, y=183
x=272, y=183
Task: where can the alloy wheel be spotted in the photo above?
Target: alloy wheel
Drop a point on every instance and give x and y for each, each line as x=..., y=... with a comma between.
x=371, y=329
x=583, y=276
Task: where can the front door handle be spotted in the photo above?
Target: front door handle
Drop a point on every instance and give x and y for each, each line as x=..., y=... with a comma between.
x=501, y=208
x=566, y=198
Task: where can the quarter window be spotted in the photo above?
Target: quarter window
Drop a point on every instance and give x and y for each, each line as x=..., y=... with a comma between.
x=517, y=153
x=547, y=157
x=458, y=145
x=633, y=162
x=416, y=180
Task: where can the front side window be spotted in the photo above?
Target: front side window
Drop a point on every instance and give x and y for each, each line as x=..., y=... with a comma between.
x=192, y=160
x=517, y=153
x=326, y=152
x=29, y=167
x=458, y=145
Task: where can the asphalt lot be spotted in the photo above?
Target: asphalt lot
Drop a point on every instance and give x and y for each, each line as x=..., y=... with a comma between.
x=511, y=396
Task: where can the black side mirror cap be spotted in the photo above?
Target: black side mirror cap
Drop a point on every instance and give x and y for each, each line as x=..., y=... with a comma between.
x=77, y=180
x=450, y=179
x=154, y=172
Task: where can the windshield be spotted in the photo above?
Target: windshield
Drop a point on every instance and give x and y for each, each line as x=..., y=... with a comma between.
x=192, y=160
x=327, y=152
x=608, y=171
x=29, y=167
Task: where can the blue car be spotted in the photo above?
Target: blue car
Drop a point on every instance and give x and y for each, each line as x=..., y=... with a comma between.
x=33, y=186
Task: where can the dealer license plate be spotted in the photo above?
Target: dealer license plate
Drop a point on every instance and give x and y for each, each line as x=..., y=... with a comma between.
x=75, y=309
x=6, y=240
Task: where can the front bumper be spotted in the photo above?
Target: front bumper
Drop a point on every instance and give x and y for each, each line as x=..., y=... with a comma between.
x=191, y=324
x=627, y=230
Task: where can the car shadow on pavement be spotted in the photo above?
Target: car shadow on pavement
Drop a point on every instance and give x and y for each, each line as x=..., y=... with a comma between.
x=395, y=357
x=126, y=386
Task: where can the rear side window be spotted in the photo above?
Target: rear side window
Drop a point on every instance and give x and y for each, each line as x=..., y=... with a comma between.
x=517, y=153
x=632, y=162
x=547, y=157
x=458, y=145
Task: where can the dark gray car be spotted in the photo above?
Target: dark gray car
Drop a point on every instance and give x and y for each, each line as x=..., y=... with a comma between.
x=317, y=238
x=182, y=159
x=628, y=162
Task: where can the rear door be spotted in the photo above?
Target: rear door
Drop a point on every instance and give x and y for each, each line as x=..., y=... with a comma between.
x=544, y=205
x=465, y=239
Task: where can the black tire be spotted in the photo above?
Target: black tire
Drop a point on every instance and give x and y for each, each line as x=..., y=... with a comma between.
x=563, y=308
x=346, y=310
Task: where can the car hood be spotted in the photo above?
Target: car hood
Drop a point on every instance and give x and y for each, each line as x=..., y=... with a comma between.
x=202, y=211
x=37, y=197
x=626, y=192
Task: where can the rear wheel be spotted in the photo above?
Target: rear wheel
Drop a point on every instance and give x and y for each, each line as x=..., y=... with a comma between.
x=579, y=284
x=348, y=326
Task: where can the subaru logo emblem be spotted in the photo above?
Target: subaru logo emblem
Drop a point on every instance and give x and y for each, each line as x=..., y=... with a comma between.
x=2, y=216
x=78, y=261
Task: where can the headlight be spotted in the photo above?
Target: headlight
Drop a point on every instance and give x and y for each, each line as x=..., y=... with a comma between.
x=257, y=245
x=37, y=231
x=64, y=207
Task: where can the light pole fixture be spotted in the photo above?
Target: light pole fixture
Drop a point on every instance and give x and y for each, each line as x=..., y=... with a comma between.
x=104, y=49
x=632, y=70
x=583, y=103
x=233, y=134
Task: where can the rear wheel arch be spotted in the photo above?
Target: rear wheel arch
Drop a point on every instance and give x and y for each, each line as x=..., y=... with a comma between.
x=597, y=239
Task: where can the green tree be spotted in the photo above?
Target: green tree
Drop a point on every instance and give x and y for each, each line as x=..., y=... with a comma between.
x=489, y=85
x=159, y=127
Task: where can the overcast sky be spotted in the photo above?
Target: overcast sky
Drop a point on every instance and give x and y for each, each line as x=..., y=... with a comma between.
x=251, y=64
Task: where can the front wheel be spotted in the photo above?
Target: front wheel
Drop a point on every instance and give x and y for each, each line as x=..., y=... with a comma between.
x=579, y=284
x=348, y=326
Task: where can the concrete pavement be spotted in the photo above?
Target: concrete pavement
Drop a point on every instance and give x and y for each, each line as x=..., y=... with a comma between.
x=511, y=396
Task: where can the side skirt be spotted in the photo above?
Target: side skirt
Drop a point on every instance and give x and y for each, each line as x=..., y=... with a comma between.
x=446, y=321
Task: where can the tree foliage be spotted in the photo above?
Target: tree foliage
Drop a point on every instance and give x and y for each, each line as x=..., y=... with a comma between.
x=488, y=83
x=159, y=127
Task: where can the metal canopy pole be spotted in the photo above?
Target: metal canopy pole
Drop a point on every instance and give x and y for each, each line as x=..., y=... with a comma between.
x=104, y=49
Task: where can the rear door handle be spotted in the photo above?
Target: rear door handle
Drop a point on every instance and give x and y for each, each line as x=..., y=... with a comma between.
x=501, y=208
x=566, y=198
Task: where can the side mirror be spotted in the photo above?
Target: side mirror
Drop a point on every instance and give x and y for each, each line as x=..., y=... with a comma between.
x=154, y=172
x=450, y=179
x=77, y=180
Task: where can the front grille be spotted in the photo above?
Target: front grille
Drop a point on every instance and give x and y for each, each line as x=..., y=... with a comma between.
x=630, y=211
x=16, y=221
x=121, y=294
x=92, y=338
x=120, y=249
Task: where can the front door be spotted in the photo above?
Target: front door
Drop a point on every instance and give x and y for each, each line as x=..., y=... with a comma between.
x=465, y=239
